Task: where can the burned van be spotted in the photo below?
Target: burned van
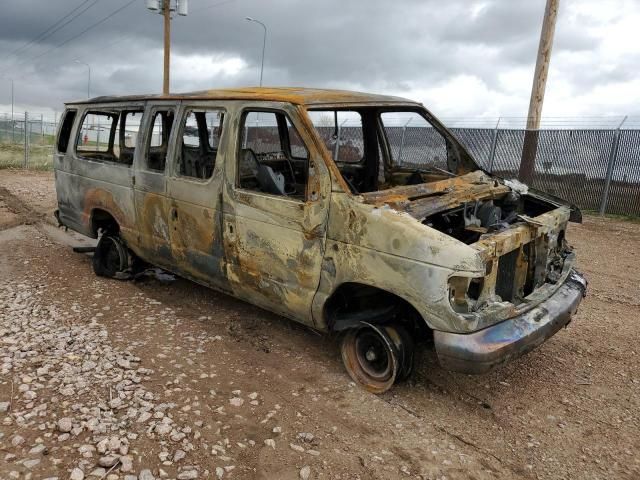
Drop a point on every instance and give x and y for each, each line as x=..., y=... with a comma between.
x=355, y=214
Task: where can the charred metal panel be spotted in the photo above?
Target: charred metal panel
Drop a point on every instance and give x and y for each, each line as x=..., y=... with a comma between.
x=274, y=245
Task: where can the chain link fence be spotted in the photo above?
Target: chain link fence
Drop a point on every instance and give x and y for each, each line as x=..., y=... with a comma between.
x=595, y=166
x=27, y=140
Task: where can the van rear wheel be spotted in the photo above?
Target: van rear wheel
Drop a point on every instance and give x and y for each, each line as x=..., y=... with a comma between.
x=111, y=257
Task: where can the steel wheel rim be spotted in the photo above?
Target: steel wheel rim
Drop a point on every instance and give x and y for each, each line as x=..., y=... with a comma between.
x=373, y=374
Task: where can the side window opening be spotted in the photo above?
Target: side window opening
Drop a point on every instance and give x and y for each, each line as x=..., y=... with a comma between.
x=109, y=135
x=341, y=132
x=272, y=158
x=201, y=131
x=158, y=140
x=348, y=141
x=65, y=130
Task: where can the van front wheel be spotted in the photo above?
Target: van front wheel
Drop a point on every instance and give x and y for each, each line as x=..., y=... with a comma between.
x=372, y=358
x=111, y=257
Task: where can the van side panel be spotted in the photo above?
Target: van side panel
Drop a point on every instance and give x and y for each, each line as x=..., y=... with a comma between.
x=85, y=187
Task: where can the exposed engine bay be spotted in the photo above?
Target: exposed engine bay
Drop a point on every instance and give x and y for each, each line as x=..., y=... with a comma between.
x=519, y=233
x=471, y=220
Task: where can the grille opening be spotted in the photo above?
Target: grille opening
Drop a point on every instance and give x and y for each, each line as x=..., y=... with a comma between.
x=505, y=281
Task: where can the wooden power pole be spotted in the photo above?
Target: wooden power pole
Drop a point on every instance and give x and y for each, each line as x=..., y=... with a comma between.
x=530, y=146
x=166, y=6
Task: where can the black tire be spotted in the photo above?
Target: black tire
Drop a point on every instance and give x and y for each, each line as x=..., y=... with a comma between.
x=111, y=258
x=370, y=357
x=404, y=344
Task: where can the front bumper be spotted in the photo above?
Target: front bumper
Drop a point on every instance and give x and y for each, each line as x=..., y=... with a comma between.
x=481, y=351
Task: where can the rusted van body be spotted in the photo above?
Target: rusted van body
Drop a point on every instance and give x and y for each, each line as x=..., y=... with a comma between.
x=301, y=201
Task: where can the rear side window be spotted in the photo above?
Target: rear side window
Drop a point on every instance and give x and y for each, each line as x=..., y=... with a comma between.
x=158, y=140
x=65, y=130
x=201, y=131
x=109, y=135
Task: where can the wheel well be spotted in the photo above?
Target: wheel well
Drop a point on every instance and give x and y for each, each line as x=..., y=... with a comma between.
x=352, y=303
x=103, y=220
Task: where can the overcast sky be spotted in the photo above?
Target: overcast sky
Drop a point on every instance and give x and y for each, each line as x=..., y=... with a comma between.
x=462, y=58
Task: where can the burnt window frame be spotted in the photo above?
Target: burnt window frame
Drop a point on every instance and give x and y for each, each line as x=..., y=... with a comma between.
x=176, y=155
x=65, y=129
x=148, y=134
x=288, y=118
x=350, y=109
x=463, y=159
x=118, y=115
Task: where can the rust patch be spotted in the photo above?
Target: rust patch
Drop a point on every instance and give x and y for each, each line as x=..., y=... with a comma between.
x=99, y=198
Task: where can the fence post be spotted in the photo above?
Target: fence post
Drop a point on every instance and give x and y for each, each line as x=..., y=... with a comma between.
x=336, y=148
x=404, y=131
x=42, y=128
x=26, y=139
x=494, y=143
x=613, y=154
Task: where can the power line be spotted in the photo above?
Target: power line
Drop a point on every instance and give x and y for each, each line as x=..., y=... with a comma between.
x=52, y=29
x=212, y=6
x=91, y=27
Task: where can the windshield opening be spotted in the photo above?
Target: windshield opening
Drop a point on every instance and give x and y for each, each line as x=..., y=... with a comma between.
x=379, y=148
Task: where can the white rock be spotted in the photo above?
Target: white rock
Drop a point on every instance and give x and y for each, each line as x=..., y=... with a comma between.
x=270, y=442
x=31, y=463
x=163, y=428
x=108, y=461
x=179, y=455
x=126, y=463
x=37, y=449
x=306, y=437
x=297, y=448
x=305, y=472
x=144, y=416
x=219, y=472
x=65, y=424
x=188, y=475
x=77, y=474
x=4, y=407
x=236, y=401
x=146, y=475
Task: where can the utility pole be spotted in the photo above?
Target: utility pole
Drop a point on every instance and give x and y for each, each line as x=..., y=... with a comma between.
x=530, y=146
x=165, y=7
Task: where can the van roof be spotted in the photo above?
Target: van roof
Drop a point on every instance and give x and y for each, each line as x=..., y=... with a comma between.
x=298, y=95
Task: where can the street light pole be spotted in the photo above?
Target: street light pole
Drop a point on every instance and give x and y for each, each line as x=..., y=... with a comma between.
x=166, y=11
x=88, y=77
x=264, y=43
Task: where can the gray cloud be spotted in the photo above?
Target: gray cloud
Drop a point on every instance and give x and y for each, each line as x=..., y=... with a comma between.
x=376, y=45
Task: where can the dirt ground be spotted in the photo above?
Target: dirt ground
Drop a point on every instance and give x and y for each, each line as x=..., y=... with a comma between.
x=153, y=379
